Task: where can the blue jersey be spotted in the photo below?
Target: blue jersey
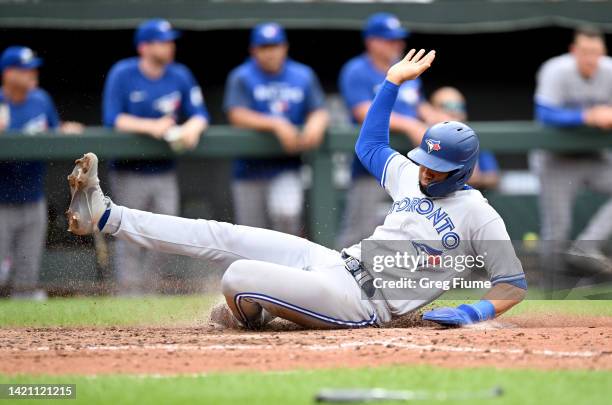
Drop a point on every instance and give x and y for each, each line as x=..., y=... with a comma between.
x=359, y=82
x=293, y=93
x=487, y=162
x=128, y=91
x=22, y=182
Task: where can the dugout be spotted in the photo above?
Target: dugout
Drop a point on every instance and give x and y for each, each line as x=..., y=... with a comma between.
x=489, y=49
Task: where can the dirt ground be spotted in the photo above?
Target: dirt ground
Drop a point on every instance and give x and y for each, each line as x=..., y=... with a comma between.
x=549, y=342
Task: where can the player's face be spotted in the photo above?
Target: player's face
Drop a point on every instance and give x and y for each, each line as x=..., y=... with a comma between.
x=453, y=105
x=588, y=51
x=161, y=52
x=428, y=176
x=389, y=50
x=23, y=79
x=270, y=58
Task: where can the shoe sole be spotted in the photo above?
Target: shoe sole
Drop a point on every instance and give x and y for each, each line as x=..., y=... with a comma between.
x=78, y=181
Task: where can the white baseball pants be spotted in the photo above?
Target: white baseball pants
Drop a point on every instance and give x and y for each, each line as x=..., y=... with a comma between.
x=267, y=272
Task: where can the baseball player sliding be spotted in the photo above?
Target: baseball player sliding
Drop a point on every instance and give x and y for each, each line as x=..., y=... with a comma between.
x=270, y=274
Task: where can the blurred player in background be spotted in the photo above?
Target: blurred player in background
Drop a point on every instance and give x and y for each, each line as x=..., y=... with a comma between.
x=575, y=89
x=272, y=93
x=28, y=109
x=360, y=78
x=450, y=101
x=154, y=96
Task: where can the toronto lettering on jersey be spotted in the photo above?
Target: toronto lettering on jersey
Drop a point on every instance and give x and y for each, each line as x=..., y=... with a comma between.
x=278, y=91
x=441, y=221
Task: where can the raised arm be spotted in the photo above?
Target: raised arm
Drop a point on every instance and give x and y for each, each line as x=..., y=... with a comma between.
x=372, y=146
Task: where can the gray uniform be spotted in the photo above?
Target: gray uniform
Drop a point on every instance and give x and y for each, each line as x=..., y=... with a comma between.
x=149, y=185
x=22, y=240
x=559, y=84
x=366, y=208
x=23, y=208
x=268, y=273
x=136, y=269
x=269, y=192
x=446, y=230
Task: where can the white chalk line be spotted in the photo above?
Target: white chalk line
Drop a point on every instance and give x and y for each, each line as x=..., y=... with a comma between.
x=192, y=375
x=391, y=343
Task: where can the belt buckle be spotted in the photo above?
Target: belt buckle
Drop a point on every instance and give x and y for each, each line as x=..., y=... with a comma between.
x=352, y=265
x=361, y=276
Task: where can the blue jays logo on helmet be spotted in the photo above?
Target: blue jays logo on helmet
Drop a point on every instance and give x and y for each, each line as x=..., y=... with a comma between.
x=433, y=145
x=457, y=157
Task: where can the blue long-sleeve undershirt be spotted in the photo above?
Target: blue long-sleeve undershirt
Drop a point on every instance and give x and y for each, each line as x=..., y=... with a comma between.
x=558, y=116
x=372, y=146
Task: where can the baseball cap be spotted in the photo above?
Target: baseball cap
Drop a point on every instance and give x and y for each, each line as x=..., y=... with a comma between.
x=20, y=57
x=155, y=30
x=384, y=25
x=268, y=34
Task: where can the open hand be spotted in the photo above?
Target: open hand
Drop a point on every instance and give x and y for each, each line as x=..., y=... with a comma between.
x=411, y=67
x=464, y=314
x=448, y=316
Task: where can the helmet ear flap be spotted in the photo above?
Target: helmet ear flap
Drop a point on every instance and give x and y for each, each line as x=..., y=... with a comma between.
x=437, y=188
x=466, y=176
x=452, y=173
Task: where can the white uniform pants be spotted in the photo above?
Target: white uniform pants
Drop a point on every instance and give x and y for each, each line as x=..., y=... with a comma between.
x=284, y=275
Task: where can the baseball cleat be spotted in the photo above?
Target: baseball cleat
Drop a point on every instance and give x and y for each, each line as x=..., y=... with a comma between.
x=88, y=203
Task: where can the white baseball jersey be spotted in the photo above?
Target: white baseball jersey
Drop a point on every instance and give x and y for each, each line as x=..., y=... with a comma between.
x=462, y=223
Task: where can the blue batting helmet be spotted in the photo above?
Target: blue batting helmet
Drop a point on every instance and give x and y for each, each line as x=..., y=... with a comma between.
x=448, y=147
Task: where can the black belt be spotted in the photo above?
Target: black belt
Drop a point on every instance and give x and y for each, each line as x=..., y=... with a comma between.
x=360, y=274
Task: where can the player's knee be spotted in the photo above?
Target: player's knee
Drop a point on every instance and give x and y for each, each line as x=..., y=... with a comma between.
x=237, y=278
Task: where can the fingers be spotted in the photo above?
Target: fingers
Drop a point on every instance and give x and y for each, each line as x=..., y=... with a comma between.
x=409, y=55
x=425, y=63
x=418, y=56
x=429, y=58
